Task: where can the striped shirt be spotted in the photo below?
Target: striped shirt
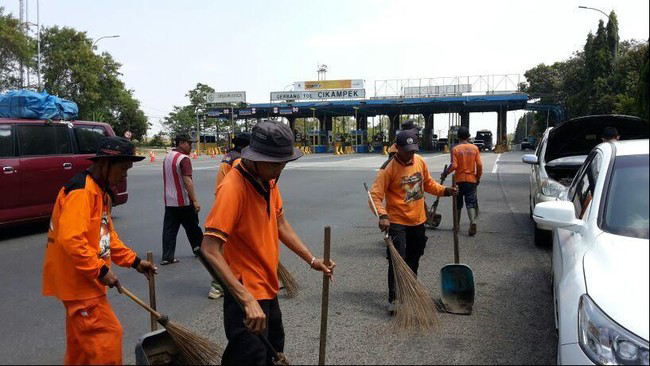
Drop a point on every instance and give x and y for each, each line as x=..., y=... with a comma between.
x=174, y=187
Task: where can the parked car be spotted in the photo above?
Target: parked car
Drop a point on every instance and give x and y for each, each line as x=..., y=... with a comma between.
x=479, y=144
x=442, y=142
x=528, y=143
x=562, y=151
x=37, y=158
x=486, y=137
x=600, y=258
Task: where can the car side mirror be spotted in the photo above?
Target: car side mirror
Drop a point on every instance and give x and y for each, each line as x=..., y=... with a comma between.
x=530, y=159
x=557, y=215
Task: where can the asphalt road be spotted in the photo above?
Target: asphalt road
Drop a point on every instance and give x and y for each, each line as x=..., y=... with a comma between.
x=512, y=321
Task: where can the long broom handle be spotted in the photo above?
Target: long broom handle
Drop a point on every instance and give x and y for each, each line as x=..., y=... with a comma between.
x=128, y=293
x=152, y=293
x=325, y=300
x=454, y=206
x=373, y=204
x=442, y=180
x=215, y=276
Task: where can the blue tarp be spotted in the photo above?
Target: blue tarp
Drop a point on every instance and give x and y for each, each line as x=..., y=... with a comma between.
x=33, y=105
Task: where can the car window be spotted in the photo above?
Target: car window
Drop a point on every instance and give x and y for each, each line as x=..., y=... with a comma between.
x=6, y=141
x=88, y=138
x=626, y=204
x=34, y=140
x=582, y=188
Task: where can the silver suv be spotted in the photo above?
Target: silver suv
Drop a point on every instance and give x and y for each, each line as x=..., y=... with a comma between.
x=562, y=151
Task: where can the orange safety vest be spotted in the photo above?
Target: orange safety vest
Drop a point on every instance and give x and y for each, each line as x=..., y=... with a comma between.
x=78, y=247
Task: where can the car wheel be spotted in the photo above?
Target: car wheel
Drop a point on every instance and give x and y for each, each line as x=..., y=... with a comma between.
x=530, y=205
x=543, y=238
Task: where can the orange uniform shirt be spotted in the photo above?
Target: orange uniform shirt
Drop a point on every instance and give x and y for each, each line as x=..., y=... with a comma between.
x=403, y=186
x=224, y=168
x=466, y=161
x=245, y=217
x=75, y=253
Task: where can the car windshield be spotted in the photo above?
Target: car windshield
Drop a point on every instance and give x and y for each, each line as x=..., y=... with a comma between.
x=626, y=207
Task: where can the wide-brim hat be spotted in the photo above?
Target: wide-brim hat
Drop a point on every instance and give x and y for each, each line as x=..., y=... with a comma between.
x=242, y=138
x=271, y=142
x=116, y=148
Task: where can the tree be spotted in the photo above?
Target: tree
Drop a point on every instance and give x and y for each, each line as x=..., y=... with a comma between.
x=606, y=76
x=183, y=119
x=73, y=71
x=15, y=49
x=642, y=96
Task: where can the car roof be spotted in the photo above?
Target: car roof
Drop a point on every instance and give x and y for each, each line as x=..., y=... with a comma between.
x=631, y=147
x=42, y=121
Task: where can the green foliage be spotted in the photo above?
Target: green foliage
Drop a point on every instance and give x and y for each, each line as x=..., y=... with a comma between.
x=183, y=119
x=72, y=70
x=605, y=77
x=15, y=48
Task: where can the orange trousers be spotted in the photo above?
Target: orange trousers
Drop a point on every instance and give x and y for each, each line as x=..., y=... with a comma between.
x=93, y=333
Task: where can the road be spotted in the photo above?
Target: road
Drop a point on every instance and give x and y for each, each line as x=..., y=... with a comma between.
x=512, y=321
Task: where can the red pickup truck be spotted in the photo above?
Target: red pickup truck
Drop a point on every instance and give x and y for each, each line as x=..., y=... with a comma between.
x=37, y=158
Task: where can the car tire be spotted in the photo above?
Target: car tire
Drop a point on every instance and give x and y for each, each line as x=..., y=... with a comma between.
x=530, y=206
x=543, y=238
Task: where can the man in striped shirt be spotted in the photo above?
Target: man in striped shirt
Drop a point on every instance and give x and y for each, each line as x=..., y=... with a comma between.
x=181, y=204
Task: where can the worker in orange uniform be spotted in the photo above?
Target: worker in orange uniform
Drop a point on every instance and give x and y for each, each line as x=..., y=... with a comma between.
x=466, y=161
x=403, y=183
x=248, y=221
x=392, y=150
x=230, y=160
x=232, y=157
x=81, y=243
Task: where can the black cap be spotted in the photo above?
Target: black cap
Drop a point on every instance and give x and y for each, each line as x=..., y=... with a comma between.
x=408, y=140
x=410, y=125
x=116, y=148
x=242, y=139
x=271, y=142
x=183, y=137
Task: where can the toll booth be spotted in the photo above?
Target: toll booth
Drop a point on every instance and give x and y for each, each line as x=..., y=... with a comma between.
x=452, y=136
x=317, y=140
x=359, y=140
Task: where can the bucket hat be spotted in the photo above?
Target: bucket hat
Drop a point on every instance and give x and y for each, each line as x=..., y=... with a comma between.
x=116, y=148
x=271, y=142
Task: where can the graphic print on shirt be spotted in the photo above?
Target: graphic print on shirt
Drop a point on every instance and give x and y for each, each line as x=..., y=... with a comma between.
x=104, y=238
x=412, y=187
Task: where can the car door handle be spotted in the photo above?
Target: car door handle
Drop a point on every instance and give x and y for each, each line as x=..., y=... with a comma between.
x=67, y=165
x=8, y=169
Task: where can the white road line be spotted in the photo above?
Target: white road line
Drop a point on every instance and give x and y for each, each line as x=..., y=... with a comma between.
x=496, y=164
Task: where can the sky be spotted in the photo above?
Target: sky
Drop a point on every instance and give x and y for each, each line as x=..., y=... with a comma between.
x=167, y=46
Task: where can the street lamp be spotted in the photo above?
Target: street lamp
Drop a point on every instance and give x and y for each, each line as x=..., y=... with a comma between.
x=610, y=19
x=93, y=48
x=102, y=37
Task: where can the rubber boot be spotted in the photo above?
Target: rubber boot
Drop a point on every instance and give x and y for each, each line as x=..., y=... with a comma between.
x=471, y=212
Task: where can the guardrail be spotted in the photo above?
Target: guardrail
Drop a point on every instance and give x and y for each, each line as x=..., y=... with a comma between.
x=448, y=86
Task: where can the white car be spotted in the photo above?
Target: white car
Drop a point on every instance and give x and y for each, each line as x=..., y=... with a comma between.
x=600, y=258
x=563, y=149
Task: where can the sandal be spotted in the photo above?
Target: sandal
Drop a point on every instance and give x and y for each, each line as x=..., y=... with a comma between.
x=164, y=263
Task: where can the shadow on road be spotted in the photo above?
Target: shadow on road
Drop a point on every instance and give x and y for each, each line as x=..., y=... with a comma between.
x=18, y=231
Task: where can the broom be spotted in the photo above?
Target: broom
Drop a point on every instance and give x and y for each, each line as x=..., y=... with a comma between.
x=289, y=283
x=195, y=349
x=416, y=309
x=278, y=357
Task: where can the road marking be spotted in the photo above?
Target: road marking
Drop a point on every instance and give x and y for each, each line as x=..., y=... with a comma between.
x=496, y=165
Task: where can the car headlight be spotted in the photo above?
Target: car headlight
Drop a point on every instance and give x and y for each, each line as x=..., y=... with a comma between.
x=604, y=341
x=552, y=188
